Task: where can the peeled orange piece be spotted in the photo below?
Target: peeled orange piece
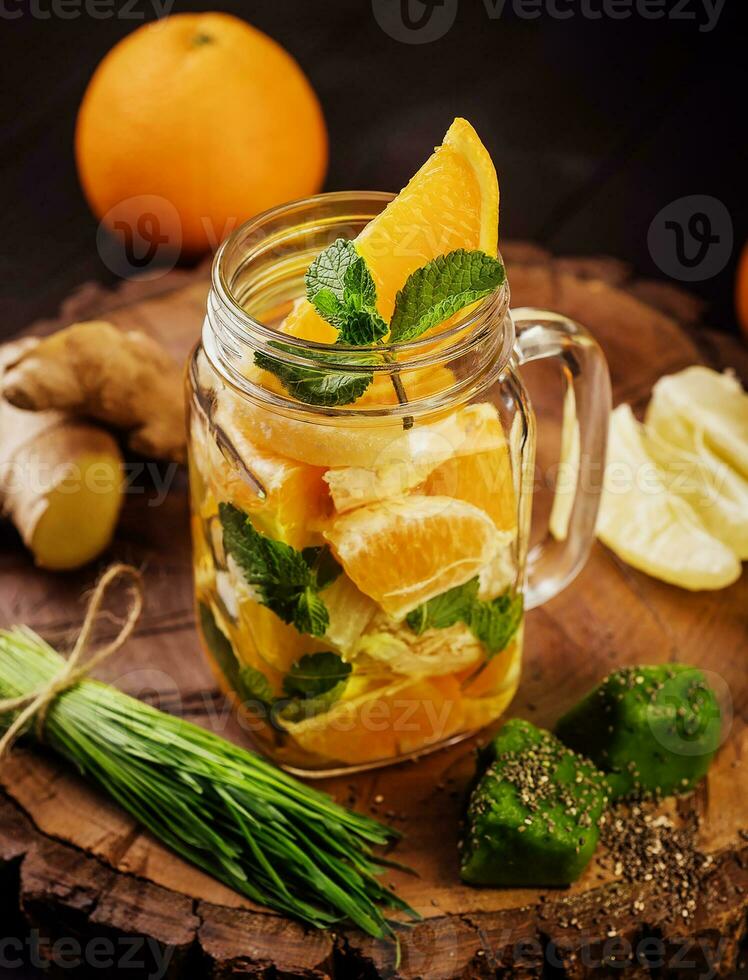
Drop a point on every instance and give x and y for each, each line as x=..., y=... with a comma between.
x=452, y=447
x=435, y=652
x=286, y=498
x=481, y=476
x=650, y=527
x=404, y=551
x=451, y=202
x=350, y=613
x=382, y=723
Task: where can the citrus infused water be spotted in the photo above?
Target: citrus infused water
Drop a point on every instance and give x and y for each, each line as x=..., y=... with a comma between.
x=359, y=613
x=356, y=458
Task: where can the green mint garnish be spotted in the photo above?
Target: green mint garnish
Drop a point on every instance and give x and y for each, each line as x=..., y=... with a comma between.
x=299, y=709
x=284, y=579
x=314, y=683
x=249, y=684
x=254, y=686
x=440, y=289
x=445, y=610
x=314, y=386
x=341, y=288
x=493, y=622
x=315, y=673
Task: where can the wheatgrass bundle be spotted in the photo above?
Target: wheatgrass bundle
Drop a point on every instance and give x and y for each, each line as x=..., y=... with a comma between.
x=226, y=810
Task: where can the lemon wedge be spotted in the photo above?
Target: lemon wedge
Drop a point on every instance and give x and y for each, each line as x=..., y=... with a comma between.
x=649, y=526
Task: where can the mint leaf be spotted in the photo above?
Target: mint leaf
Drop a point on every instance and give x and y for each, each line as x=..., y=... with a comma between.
x=310, y=615
x=315, y=386
x=299, y=709
x=327, y=271
x=342, y=290
x=328, y=306
x=442, y=287
x=219, y=645
x=361, y=327
x=254, y=686
x=494, y=623
x=359, y=290
x=324, y=564
x=446, y=609
x=281, y=576
x=314, y=674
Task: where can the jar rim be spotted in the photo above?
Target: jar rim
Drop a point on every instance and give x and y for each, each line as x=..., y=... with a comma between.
x=222, y=288
x=233, y=331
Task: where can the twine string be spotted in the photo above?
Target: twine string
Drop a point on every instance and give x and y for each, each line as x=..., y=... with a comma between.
x=36, y=704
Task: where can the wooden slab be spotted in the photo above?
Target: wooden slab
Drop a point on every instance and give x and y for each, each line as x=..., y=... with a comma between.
x=71, y=863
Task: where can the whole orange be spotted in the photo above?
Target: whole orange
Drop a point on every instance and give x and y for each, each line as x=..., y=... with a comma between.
x=205, y=112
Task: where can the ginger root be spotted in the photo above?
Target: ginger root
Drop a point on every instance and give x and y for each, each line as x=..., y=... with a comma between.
x=60, y=479
x=123, y=378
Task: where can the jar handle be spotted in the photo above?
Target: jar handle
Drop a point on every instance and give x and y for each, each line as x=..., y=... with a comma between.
x=555, y=561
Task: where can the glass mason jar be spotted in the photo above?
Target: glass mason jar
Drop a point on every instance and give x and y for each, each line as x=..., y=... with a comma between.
x=362, y=566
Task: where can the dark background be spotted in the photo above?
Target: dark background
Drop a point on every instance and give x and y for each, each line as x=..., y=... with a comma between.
x=594, y=125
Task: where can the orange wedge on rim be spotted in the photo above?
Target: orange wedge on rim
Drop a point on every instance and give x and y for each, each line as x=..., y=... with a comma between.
x=451, y=202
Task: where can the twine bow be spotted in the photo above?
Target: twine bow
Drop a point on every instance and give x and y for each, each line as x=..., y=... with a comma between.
x=36, y=704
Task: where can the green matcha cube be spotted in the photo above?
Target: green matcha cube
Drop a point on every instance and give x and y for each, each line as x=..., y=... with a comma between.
x=533, y=816
x=654, y=730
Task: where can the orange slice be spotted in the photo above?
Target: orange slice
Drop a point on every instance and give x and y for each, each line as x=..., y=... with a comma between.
x=401, y=717
x=405, y=551
x=287, y=499
x=481, y=478
x=415, y=453
x=451, y=202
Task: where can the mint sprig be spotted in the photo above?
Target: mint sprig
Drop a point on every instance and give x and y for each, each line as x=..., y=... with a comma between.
x=315, y=386
x=250, y=684
x=446, y=609
x=440, y=289
x=314, y=674
x=285, y=580
x=341, y=288
x=493, y=622
x=313, y=684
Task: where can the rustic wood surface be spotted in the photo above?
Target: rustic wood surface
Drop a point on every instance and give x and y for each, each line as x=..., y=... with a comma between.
x=71, y=863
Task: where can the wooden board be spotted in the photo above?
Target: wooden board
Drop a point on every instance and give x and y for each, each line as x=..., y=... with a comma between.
x=71, y=863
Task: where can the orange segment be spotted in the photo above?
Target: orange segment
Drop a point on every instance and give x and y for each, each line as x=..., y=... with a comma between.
x=416, y=453
x=296, y=499
x=451, y=202
x=481, y=478
x=404, y=551
x=402, y=717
